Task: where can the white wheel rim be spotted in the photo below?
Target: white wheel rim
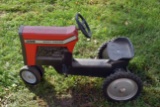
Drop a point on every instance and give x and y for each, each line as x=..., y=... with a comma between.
x=28, y=76
x=122, y=89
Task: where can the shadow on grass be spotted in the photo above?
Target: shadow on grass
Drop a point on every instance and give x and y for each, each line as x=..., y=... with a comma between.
x=45, y=93
x=81, y=95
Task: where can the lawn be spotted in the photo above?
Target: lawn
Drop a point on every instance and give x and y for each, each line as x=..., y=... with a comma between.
x=138, y=20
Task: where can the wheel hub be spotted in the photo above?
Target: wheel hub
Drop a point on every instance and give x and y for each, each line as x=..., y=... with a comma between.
x=28, y=77
x=122, y=89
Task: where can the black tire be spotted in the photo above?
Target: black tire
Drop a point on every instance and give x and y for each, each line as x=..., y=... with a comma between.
x=102, y=51
x=40, y=69
x=122, y=86
x=30, y=75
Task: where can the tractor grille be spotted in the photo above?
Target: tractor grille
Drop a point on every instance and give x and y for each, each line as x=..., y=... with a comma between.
x=51, y=51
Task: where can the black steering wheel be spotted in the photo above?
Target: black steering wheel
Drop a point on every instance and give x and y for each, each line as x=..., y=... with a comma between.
x=83, y=25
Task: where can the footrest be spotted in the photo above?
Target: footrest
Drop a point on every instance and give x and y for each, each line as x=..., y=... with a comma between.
x=94, y=63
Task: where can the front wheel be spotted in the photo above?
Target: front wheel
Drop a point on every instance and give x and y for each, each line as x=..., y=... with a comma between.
x=122, y=86
x=40, y=69
x=30, y=75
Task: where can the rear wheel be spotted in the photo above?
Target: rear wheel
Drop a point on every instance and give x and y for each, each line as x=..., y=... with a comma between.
x=102, y=51
x=122, y=86
x=30, y=75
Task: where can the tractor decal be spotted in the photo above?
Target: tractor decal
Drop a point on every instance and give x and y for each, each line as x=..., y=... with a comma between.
x=51, y=41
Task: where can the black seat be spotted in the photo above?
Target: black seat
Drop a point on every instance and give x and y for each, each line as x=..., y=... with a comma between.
x=120, y=48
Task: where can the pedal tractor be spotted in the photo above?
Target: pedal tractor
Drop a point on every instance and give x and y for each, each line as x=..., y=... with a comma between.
x=53, y=46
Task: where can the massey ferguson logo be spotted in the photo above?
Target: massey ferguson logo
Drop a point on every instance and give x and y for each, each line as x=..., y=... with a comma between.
x=51, y=41
x=29, y=41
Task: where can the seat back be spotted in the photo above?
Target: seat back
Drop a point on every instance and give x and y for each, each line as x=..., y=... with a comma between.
x=120, y=48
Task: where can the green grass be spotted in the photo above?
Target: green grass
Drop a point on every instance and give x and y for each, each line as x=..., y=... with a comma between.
x=135, y=19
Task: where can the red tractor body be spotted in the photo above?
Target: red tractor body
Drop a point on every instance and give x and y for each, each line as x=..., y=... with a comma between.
x=33, y=37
